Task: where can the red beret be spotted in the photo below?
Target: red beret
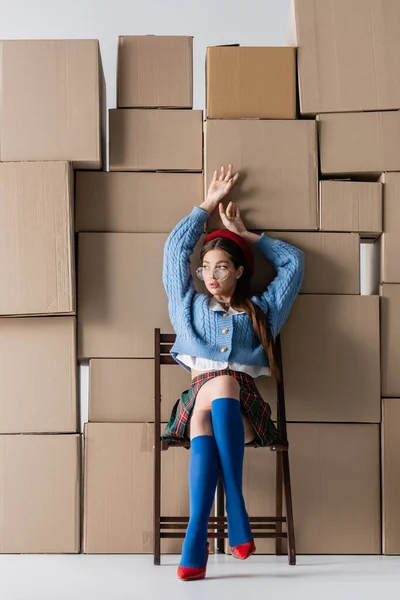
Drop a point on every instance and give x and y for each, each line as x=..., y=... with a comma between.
x=248, y=254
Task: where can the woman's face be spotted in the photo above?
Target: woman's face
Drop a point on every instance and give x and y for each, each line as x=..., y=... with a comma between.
x=223, y=281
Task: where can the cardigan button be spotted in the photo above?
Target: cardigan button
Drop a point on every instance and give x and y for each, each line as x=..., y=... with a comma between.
x=225, y=315
x=225, y=330
x=224, y=349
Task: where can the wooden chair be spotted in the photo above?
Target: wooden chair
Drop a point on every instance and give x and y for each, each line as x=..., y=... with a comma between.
x=175, y=527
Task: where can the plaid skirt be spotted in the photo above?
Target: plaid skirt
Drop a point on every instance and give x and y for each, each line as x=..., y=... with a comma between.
x=257, y=410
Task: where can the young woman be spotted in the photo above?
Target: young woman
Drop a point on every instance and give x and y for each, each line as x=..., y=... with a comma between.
x=225, y=339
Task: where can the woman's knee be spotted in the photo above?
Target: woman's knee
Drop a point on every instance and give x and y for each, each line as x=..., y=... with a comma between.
x=223, y=386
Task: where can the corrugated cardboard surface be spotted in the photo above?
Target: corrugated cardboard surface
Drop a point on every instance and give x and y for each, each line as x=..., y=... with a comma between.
x=352, y=143
x=348, y=55
x=330, y=347
x=332, y=261
x=390, y=475
x=350, y=206
x=251, y=82
x=335, y=471
x=390, y=339
x=51, y=101
x=122, y=390
x=38, y=375
x=134, y=202
x=335, y=480
x=37, y=262
x=278, y=163
x=390, y=239
x=155, y=71
x=40, y=493
x=156, y=140
x=121, y=294
x=118, y=503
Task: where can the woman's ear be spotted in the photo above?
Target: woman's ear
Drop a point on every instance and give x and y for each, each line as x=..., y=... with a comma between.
x=240, y=272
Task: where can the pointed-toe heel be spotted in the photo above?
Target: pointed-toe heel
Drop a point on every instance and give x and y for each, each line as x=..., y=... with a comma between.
x=243, y=551
x=191, y=573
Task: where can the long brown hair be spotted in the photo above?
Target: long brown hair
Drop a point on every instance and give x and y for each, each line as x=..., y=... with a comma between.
x=241, y=299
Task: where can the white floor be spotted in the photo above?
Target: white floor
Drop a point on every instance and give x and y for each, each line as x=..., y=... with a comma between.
x=127, y=577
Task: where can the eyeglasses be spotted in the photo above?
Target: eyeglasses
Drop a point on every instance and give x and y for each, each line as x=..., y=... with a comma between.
x=220, y=273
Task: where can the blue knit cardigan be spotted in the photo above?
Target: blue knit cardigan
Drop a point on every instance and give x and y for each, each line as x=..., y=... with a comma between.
x=198, y=328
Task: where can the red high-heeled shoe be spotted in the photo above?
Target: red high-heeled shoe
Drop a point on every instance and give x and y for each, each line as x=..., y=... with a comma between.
x=189, y=573
x=243, y=551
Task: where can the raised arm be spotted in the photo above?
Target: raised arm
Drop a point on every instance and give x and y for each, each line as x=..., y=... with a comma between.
x=278, y=298
x=177, y=277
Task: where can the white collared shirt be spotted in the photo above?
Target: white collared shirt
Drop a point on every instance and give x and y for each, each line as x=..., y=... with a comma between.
x=204, y=364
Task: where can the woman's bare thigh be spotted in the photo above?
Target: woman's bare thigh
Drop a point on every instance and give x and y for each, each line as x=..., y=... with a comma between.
x=220, y=387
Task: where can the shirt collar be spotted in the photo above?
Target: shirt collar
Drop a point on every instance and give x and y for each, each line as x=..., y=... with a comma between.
x=215, y=305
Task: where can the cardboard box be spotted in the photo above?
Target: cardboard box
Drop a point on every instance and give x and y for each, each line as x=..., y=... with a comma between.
x=332, y=261
x=118, y=502
x=390, y=475
x=330, y=349
x=38, y=375
x=251, y=83
x=156, y=140
x=351, y=206
x=335, y=470
x=134, y=202
x=40, y=494
x=390, y=339
x=122, y=390
x=348, y=55
x=37, y=263
x=121, y=294
x=335, y=478
x=359, y=143
x=155, y=71
x=390, y=239
x=278, y=164
x=52, y=101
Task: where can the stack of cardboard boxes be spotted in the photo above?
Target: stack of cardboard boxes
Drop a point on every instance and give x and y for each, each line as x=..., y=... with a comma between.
x=322, y=181
x=348, y=79
x=331, y=340
x=50, y=122
x=124, y=217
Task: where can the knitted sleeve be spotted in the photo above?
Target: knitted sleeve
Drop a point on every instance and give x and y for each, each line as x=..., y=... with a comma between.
x=278, y=298
x=177, y=277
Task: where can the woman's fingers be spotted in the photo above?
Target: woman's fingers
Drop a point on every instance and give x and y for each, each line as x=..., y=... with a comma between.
x=228, y=173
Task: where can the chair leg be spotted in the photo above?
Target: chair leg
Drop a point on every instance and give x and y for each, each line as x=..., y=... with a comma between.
x=279, y=498
x=220, y=513
x=289, y=509
x=157, y=505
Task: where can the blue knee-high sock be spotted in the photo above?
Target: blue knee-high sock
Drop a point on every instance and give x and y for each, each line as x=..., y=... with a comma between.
x=229, y=435
x=203, y=478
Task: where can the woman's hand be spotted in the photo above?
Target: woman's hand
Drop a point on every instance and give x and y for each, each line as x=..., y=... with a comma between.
x=221, y=185
x=231, y=218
